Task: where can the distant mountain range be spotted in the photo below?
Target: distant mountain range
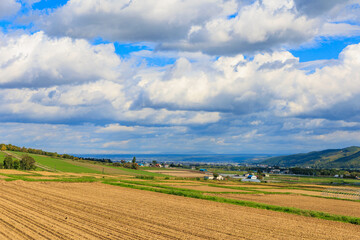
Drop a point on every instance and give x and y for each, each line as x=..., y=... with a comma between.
x=331, y=158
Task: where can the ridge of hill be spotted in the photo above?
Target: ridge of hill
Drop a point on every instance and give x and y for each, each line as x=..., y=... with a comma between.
x=330, y=158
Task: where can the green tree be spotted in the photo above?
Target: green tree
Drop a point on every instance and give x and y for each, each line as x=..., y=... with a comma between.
x=27, y=163
x=3, y=147
x=134, y=165
x=16, y=164
x=8, y=162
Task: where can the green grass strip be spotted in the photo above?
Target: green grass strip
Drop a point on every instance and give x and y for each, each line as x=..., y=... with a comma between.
x=199, y=195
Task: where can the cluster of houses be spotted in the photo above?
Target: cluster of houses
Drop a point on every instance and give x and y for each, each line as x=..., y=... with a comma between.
x=154, y=165
x=244, y=178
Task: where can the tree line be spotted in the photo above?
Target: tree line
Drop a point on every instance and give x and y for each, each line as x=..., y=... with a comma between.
x=25, y=163
x=11, y=147
x=124, y=164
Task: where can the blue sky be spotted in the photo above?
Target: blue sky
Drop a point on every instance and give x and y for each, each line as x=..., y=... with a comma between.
x=156, y=76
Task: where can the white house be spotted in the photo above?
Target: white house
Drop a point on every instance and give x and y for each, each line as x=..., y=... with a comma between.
x=220, y=177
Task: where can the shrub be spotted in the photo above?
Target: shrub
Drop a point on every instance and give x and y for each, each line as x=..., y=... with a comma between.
x=27, y=163
x=16, y=164
x=8, y=162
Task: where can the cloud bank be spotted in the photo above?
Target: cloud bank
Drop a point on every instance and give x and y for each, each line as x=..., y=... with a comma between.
x=232, y=84
x=227, y=27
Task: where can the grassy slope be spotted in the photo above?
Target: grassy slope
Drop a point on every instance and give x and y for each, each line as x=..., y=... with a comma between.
x=2, y=156
x=59, y=164
x=67, y=165
x=341, y=158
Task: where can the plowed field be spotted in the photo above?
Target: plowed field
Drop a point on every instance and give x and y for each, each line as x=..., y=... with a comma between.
x=207, y=188
x=54, y=210
x=304, y=202
x=178, y=173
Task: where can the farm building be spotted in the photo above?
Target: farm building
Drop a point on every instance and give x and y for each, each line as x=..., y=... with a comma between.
x=209, y=177
x=250, y=180
x=219, y=177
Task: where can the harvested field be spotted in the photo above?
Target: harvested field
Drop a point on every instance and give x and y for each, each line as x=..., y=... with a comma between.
x=41, y=177
x=53, y=210
x=296, y=191
x=15, y=172
x=178, y=173
x=303, y=202
x=46, y=173
x=180, y=182
x=208, y=188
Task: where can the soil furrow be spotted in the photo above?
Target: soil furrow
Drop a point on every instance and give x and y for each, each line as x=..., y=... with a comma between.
x=55, y=212
x=99, y=211
x=91, y=219
x=112, y=212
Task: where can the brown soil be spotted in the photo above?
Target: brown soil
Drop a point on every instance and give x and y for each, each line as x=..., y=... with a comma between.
x=208, y=188
x=46, y=173
x=340, y=207
x=42, y=177
x=53, y=210
x=179, y=173
x=12, y=171
x=296, y=191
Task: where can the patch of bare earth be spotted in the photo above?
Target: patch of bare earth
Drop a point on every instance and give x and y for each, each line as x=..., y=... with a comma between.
x=42, y=177
x=46, y=173
x=53, y=210
x=340, y=207
x=178, y=173
x=12, y=171
x=296, y=191
x=208, y=188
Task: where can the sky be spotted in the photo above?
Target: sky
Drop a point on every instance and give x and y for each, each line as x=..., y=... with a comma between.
x=180, y=76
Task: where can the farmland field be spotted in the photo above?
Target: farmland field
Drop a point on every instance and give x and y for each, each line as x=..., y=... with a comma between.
x=179, y=173
x=304, y=202
x=97, y=201
x=40, y=210
x=58, y=164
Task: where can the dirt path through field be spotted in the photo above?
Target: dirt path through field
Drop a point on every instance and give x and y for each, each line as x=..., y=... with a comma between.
x=54, y=210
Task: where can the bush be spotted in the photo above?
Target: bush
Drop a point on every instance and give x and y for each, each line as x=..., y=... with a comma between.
x=16, y=164
x=27, y=163
x=8, y=162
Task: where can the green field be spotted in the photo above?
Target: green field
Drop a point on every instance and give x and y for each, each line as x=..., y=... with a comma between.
x=75, y=166
x=2, y=156
x=59, y=164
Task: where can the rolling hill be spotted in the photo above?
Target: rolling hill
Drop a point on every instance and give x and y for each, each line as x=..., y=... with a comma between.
x=331, y=158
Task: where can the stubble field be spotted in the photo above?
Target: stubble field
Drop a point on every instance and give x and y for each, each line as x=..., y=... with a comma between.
x=57, y=210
